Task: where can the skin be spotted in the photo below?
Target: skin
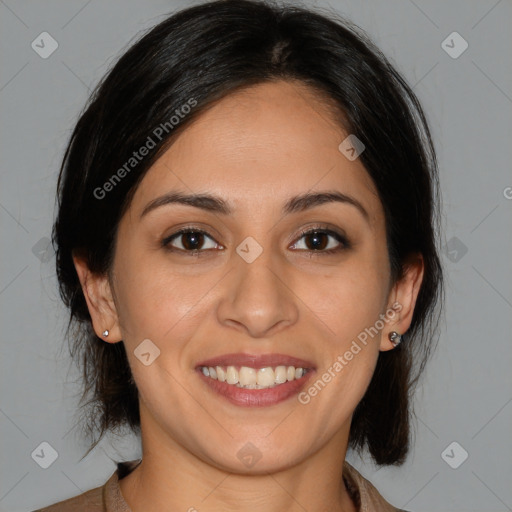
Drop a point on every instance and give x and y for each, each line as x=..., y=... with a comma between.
x=255, y=149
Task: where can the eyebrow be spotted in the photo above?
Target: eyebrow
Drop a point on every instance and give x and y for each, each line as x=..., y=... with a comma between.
x=215, y=204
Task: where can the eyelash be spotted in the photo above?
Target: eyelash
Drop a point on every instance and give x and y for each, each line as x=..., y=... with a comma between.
x=344, y=243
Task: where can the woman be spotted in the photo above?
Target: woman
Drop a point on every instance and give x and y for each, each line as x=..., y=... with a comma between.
x=246, y=240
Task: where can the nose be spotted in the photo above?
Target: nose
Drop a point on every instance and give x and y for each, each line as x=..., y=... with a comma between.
x=257, y=298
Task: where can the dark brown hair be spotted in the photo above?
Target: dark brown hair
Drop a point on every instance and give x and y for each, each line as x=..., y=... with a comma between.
x=197, y=56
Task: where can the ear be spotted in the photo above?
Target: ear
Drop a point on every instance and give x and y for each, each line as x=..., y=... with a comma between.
x=98, y=295
x=402, y=299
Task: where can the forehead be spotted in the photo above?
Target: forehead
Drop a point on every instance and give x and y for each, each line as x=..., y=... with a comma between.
x=259, y=145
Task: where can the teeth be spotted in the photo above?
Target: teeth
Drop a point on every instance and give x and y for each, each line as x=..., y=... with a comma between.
x=231, y=375
x=266, y=377
x=221, y=374
x=252, y=378
x=280, y=374
x=247, y=376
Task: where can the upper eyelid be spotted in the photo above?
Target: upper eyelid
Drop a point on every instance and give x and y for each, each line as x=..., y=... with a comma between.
x=329, y=231
x=341, y=238
x=167, y=239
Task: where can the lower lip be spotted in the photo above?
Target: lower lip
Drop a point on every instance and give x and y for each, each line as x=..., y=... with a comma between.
x=257, y=397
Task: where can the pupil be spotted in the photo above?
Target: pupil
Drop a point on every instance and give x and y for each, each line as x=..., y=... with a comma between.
x=192, y=241
x=317, y=242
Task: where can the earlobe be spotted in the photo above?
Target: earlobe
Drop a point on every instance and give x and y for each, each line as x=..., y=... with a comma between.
x=403, y=296
x=98, y=295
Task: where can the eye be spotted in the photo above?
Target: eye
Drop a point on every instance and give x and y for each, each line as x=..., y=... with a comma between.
x=190, y=240
x=321, y=240
x=196, y=241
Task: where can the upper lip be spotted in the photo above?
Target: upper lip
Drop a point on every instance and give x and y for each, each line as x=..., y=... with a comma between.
x=257, y=361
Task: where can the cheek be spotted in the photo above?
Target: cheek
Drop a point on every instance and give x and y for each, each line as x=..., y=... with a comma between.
x=347, y=300
x=348, y=304
x=349, y=309
x=155, y=301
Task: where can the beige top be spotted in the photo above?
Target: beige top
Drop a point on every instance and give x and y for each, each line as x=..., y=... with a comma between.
x=108, y=497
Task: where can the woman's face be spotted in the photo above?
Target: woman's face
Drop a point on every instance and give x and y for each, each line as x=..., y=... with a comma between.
x=255, y=284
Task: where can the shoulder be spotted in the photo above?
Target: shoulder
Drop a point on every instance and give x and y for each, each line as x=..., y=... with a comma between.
x=106, y=498
x=364, y=493
x=92, y=501
x=96, y=500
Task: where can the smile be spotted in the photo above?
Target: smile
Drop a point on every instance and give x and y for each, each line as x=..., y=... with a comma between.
x=251, y=378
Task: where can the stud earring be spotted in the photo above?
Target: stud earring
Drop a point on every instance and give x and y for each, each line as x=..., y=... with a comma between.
x=395, y=338
x=105, y=333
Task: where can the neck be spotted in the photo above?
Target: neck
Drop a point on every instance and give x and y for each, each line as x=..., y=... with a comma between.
x=170, y=477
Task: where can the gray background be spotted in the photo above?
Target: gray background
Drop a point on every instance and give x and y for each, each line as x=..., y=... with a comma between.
x=466, y=392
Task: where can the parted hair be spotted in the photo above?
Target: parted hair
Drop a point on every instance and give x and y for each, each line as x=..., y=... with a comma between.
x=196, y=57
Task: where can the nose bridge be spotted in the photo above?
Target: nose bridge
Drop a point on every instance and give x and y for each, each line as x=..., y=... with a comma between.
x=258, y=298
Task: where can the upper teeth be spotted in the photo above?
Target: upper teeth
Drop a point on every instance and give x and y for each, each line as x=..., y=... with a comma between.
x=251, y=378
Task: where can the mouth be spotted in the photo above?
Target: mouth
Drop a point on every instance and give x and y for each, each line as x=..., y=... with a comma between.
x=250, y=380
